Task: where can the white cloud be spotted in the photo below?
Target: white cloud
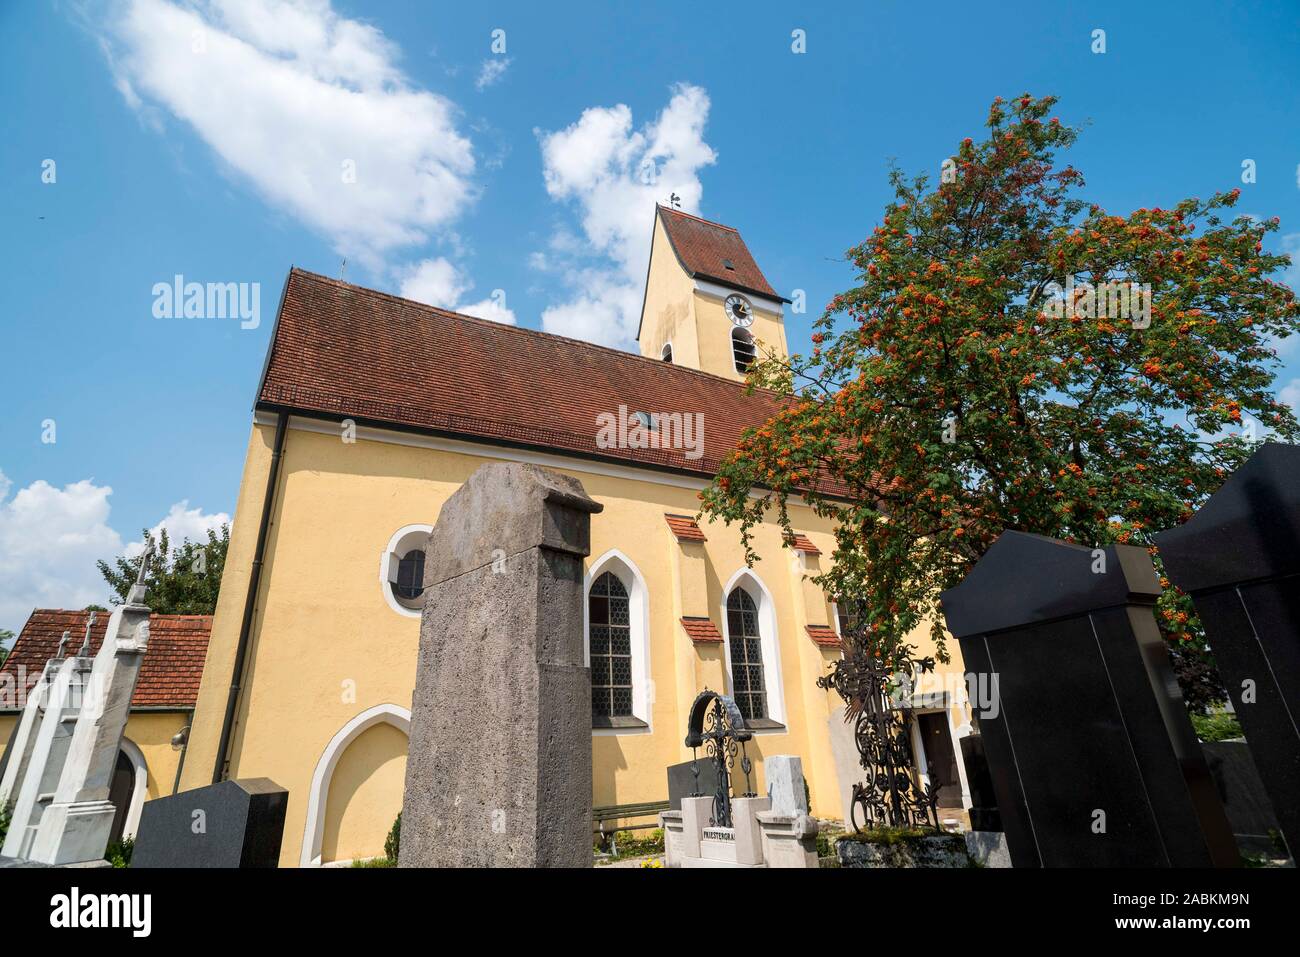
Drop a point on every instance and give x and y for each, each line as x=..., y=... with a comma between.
x=1290, y=246
x=434, y=281
x=291, y=96
x=440, y=283
x=492, y=69
x=182, y=522
x=1289, y=394
x=50, y=539
x=615, y=174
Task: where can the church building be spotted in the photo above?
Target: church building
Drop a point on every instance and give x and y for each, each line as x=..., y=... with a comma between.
x=372, y=410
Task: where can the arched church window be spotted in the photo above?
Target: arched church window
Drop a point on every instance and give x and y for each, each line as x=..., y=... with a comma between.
x=667, y=352
x=401, y=570
x=409, y=585
x=610, y=623
x=742, y=349
x=746, y=646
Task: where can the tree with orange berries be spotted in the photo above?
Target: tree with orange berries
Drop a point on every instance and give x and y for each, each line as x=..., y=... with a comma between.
x=1015, y=357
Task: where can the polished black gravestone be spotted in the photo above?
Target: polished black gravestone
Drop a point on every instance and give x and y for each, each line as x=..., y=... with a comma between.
x=1093, y=758
x=230, y=824
x=1239, y=559
x=682, y=781
x=983, y=811
x=1245, y=800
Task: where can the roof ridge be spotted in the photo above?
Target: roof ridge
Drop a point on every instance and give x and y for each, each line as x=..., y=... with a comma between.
x=701, y=219
x=86, y=611
x=525, y=330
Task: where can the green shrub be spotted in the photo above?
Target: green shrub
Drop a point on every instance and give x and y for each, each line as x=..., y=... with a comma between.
x=393, y=841
x=369, y=862
x=1218, y=726
x=5, y=813
x=118, y=853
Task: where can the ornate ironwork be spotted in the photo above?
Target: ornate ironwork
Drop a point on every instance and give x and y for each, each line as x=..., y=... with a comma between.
x=716, y=725
x=876, y=698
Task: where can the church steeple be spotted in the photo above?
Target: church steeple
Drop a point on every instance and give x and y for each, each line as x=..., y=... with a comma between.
x=707, y=304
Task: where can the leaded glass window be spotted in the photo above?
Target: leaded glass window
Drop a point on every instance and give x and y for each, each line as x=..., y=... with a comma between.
x=410, y=575
x=746, y=655
x=610, y=620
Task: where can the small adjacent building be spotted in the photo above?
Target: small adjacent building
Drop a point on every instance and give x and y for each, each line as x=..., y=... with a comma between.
x=149, y=760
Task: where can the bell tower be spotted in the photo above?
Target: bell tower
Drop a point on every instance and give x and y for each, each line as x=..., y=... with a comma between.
x=707, y=305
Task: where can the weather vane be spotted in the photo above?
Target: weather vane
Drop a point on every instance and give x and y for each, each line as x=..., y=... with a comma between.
x=674, y=201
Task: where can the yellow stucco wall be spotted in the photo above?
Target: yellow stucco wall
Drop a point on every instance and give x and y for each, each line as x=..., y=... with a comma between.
x=365, y=795
x=667, y=312
x=328, y=646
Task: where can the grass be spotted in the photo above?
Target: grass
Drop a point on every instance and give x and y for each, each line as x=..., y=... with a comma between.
x=369, y=862
x=633, y=844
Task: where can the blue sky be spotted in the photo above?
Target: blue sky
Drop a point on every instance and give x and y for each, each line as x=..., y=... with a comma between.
x=208, y=139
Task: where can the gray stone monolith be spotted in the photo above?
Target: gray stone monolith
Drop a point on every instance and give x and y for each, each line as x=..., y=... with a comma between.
x=498, y=772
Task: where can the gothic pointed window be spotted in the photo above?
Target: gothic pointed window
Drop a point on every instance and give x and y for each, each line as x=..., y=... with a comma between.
x=746, y=646
x=742, y=349
x=610, y=623
x=667, y=352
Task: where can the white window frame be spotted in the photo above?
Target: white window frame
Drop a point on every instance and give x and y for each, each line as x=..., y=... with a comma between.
x=403, y=540
x=625, y=570
x=666, y=347
x=769, y=644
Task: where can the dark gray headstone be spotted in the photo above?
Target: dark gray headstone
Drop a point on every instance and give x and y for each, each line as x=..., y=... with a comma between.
x=1239, y=559
x=230, y=824
x=682, y=783
x=984, y=802
x=499, y=768
x=1245, y=800
x=1092, y=755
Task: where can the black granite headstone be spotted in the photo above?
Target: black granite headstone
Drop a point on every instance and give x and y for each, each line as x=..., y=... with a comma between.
x=230, y=824
x=1239, y=559
x=1092, y=755
x=682, y=783
x=983, y=811
x=1245, y=800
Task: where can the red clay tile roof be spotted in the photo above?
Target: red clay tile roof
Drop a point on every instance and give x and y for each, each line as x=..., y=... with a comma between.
x=169, y=677
x=823, y=635
x=701, y=630
x=343, y=351
x=685, y=528
x=801, y=543
x=704, y=248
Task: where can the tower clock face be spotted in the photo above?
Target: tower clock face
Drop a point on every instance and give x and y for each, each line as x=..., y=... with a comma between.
x=739, y=311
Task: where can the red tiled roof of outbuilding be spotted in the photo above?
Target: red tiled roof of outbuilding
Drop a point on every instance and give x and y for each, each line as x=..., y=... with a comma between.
x=169, y=676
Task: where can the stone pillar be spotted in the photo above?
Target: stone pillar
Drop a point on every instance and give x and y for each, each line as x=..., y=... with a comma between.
x=1092, y=755
x=1239, y=559
x=499, y=768
x=55, y=721
x=76, y=825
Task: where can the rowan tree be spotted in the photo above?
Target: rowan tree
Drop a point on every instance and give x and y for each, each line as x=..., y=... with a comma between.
x=958, y=389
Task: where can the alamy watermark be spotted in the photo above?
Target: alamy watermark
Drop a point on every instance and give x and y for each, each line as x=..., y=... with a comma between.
x=179, y=299
x=1113, y=299
x=651, y=430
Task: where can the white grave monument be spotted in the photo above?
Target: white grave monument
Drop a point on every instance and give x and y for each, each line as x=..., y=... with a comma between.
x=61, y=764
